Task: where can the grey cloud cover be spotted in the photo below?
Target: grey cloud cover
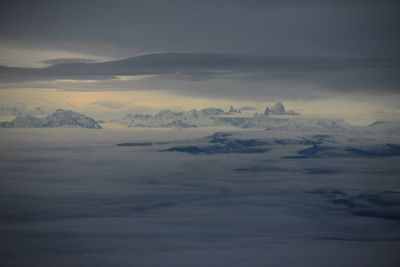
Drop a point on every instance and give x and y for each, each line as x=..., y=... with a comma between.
x=262, y=27
x=328, y=72
x=302, y=48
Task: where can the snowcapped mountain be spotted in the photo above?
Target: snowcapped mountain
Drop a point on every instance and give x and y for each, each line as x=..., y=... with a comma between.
x=170, y=119
x=217, y=117
x=279, y=109
x=60, y=118
x=232, y=110
x=274, y=118
x=25, y=121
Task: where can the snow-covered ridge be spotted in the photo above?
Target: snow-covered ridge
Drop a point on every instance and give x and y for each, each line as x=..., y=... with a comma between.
x=233, y=117
x=279, y=109
x=60, y=118
x=274, y=118
x=170, y=119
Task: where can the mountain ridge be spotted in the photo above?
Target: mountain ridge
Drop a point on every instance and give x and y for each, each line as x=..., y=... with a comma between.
x=59, y=118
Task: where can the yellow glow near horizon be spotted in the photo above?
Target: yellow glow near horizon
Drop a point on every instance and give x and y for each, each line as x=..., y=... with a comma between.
x=150, y=99
x=356, y=112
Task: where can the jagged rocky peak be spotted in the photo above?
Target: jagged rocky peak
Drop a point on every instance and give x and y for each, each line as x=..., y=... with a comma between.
x=279, y=109
x=232, y=109
x=27, y=120
x=63, y=117
x=60, y=118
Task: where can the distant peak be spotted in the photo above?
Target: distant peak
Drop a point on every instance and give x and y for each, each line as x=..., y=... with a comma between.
x=279, y=109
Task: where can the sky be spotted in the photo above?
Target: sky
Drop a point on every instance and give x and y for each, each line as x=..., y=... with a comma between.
x=183, y=54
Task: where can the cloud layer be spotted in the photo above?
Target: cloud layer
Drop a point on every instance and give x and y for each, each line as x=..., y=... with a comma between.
x=329, y=72
x=230, y=49
x=84, y=201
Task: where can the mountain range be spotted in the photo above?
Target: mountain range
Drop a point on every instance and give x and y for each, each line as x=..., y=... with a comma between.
x=60, y=118
x=233, y=117
x=171, y=119
x=277, y=118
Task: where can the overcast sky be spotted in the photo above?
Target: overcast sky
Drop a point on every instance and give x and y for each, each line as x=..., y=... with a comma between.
x=250, y=50
x=126, y=28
